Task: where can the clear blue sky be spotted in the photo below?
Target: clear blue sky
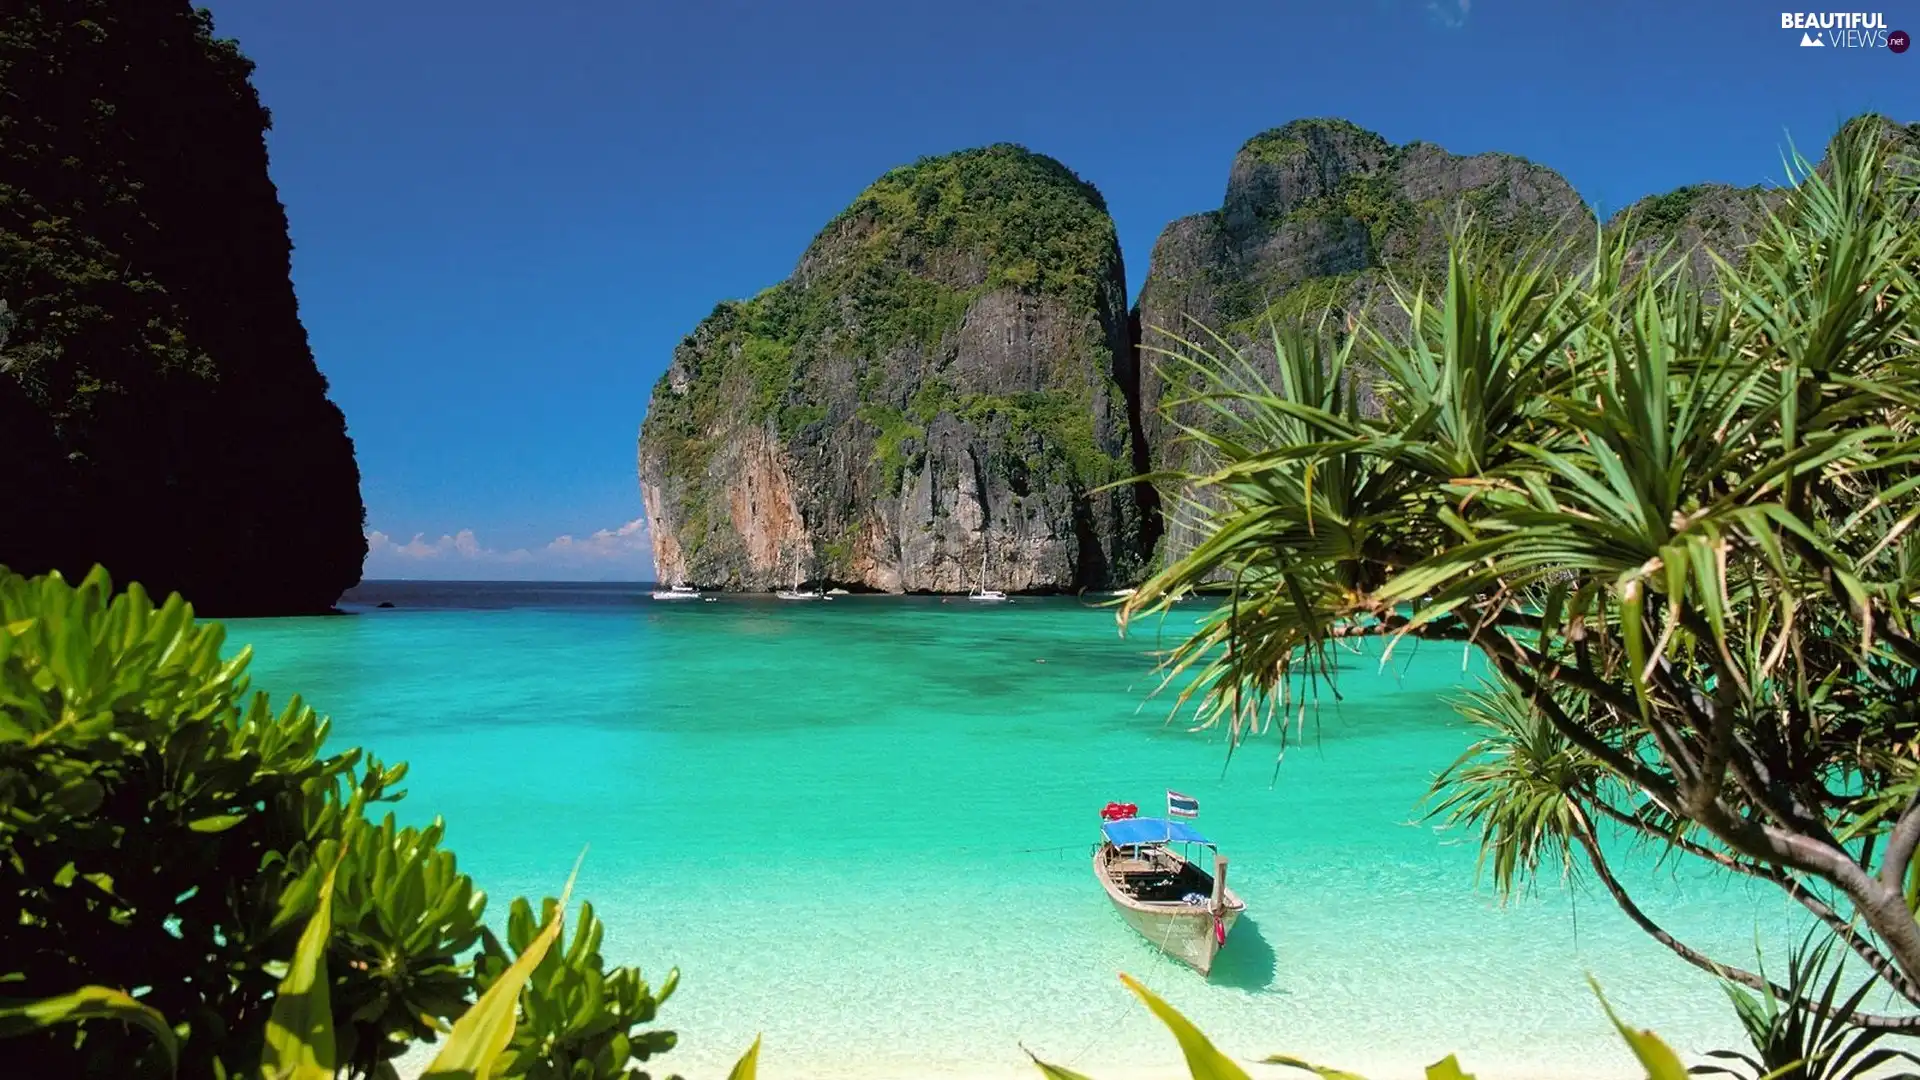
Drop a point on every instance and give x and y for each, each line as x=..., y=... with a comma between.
x=505, y=215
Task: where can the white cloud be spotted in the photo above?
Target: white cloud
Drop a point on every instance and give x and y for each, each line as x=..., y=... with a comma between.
x=1450, y=13
x=608, y=543
x=622, y=553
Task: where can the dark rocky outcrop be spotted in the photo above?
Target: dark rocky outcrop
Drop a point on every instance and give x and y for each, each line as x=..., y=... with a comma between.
x=946, y=376
x=160, y=411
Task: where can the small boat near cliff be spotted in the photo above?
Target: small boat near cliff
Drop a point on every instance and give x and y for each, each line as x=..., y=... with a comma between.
x=984, y=594
x=1165, y=894
x=796, y=593
x=677, y=592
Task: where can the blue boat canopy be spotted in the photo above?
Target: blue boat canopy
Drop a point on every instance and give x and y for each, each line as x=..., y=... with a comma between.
x=1147, y=830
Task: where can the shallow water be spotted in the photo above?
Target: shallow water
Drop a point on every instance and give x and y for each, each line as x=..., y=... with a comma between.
x=862, y=827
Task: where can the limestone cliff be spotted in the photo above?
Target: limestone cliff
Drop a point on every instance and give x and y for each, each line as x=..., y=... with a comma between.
x=1698, y=221
x=1317, y=215
x=160, y=411
x=949, y=371
x=1695, y=223
x=945, y=378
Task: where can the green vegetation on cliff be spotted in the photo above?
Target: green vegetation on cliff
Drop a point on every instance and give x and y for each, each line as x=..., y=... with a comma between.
x=892, y=270
x=160, y=411
x=901, y=265
x=1037, y=225
x=1667, y=211
x=1288, y=142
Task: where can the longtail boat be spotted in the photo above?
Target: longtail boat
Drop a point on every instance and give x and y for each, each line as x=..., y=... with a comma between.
x=1164, y=893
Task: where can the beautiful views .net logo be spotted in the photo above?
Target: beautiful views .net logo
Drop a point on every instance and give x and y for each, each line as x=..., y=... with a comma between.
x=1844, y=30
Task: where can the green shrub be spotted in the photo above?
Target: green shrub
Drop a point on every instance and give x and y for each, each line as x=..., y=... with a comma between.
x=169, y=835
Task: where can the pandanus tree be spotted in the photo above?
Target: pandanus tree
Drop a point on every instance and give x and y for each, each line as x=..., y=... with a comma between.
x=1674, y=515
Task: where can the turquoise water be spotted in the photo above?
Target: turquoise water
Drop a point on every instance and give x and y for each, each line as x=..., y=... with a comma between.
x=862, y=827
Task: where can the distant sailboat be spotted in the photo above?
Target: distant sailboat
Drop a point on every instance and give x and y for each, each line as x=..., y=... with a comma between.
x=984, y=594
x=796, y=593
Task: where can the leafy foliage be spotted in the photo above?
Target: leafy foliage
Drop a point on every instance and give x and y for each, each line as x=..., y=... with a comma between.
x=1675, y=517
x=579, y=1017
x=1794, y=1042
x=1206, y=1062
x=90, y=1002
x=1283, y=145
x=1513, y=784
x=169, y=835
x=154, y=368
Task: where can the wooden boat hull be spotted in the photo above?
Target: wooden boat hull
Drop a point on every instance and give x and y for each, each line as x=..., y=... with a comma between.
x=1184, y=932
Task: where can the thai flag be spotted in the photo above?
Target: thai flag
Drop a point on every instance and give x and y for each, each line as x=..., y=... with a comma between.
x=1179, y=805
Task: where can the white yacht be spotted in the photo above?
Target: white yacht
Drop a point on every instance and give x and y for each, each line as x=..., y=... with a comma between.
x=678, y=592
x=796, y=593
x=983, y=594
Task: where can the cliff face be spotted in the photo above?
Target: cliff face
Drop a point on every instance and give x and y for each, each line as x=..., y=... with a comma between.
x=1695, y=223
x=1317, y=215
x=160, y=411
x=1699, y=221
x=949, y=371
x=945, y=377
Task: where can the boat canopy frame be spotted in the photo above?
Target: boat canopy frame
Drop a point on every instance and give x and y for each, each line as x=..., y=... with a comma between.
x=1135, y=831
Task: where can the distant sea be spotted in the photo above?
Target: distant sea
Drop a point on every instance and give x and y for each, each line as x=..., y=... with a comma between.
x=862, y=827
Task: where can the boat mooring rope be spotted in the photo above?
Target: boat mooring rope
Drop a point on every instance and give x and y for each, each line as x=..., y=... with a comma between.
x=1160, y=954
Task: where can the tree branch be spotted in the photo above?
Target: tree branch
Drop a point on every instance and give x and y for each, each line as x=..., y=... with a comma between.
x=1882, y=907
x=1583, y=832
x=1656, y=786
x=1901, y=843
x=1884, y=967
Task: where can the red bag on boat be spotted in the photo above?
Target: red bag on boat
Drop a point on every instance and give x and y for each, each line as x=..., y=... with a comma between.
x=1118, y=811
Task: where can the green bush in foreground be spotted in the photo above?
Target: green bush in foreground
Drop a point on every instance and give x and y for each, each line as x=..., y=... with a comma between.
x=170, y=838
